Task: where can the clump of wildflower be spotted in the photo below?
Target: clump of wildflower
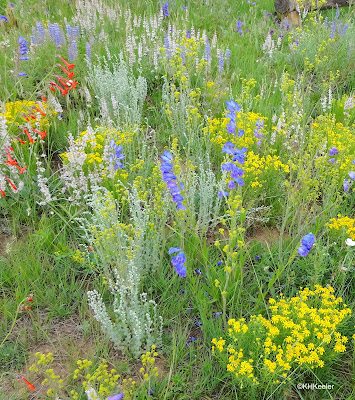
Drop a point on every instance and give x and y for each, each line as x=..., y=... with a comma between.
x=166, y=167
x=341, y=223
x=300, y=332
x=178, y=261
x=306, y=244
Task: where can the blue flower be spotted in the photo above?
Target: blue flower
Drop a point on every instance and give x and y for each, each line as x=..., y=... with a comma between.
x=217, y=314
x=23, y=58
x=198, y=272
x=257, y=258
x=219, y=263
x=116, y=397
x=352, y=175
x=241, y=132
x=239, y=155
x=165, y=9
x=332, y=160
x=173, y=250
x=221, y=193
x=22, y=74
x=198, y=323
x=116, y=155
x=228, y=148
x=333, y=151
x=3, y=18
x=233, y=106
x=346, y=185
x=306, y=244
x=231, y=185
x=178, y=262
x=167, y=157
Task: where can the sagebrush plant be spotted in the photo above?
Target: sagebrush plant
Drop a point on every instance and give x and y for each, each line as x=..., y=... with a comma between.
x=120, y=94
x=120, y=254
x=203, y=165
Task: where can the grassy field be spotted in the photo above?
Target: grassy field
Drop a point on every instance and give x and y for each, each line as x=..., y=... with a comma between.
x=177, y=208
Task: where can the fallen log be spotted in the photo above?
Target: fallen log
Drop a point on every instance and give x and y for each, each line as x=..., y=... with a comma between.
x=290, y=8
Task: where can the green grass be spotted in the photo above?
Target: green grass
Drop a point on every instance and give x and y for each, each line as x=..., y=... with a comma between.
x=39, y=244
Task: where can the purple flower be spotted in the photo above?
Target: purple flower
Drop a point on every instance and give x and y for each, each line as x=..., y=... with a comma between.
x=219, y=263
x=182, y=291
x=231, y=185
x=198, y=323
x=257, y=258
x=198, y=272
x=173, y=250
x=116, y=155
x=165, y=9
x=23, y=58
x=233, y=106
x=306, y=244
x=333, y=151
x=22, y=74
x=217, y=314
x=241, y=132
x=346, y=185
x=221, y=193
x=239, y=155
x=178, y=262
x=352, y=175
x=3, y=18
x=228, y=148
x=118, y=396
x=332, y=160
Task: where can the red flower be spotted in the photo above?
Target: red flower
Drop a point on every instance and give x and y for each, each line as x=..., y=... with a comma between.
x=70, y=74
x=30, y=138
x=31, y=387
x=10, y=183
x=43, y=134
x=2, y=193
x=69, y=66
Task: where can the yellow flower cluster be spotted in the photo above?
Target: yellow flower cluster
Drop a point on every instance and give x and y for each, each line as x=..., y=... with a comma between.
x=148, y=360
x=256, y=166
x=301, y=331
x=19, y=112
x=102, y=380
x=94, y=148
x=343, y=222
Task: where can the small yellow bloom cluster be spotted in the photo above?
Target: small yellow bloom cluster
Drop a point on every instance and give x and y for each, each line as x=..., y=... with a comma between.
x=78, y=256
x=256, y=167
x=343, y=222
x=102, y=380
x=148, y=360
x=301, y=331
x=17, y=112
x=96, y=144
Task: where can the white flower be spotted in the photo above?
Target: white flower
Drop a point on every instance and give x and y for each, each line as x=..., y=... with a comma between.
x=350, y=242
x=91, y=393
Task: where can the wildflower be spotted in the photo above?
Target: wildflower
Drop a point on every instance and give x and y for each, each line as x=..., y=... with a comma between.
x=217, y=314
x=306, y=244
x=350, y=242
x=233, y=106
x=3, y=18
x=352, y=176
x=191, y=340
x=165, y=9
x=23, y=46
x=182, y=291
x=22, y=74
x=219, y=263
x=118, y=396
x=198, y=272
x=30, y=386
x=173, y=250
x=257, y=258
x=118, y=155
x=198, y=323
x=346, y=185
x=333, y=151
x=222, y=193
x=332, y=160
x=178, y=262
x=166, y=167
x=239, y=155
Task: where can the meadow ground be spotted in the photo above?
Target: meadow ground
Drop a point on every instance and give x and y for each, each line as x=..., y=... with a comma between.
x=177, y=209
